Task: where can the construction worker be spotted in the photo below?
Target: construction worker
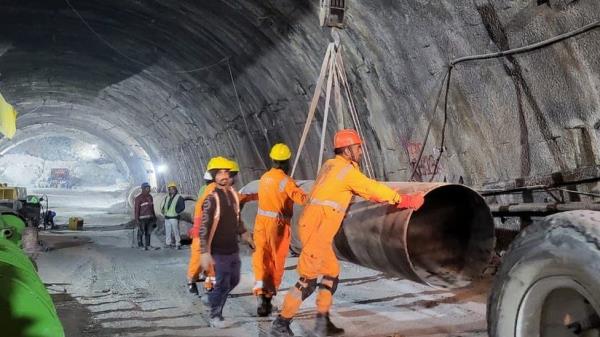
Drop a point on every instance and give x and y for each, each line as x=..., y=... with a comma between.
x=144, y=216
x=49, y=219
x=207, y=180
x=218, y=240
x=277, y=193
x=171, y=208
x=338, y=180
x=194, y=267
x=244, y=197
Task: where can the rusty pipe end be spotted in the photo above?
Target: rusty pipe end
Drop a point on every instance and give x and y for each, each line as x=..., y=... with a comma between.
x=445, y=244
x=450, y=240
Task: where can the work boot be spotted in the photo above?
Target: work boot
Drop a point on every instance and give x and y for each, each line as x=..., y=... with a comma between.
x=193, y=288
x=264, y=306
x=220, y=323
x=281, y=328
x=145, y=247
x=324, y=327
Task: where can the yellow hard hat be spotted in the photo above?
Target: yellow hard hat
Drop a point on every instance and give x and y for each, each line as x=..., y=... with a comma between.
x=280, y=152
x=171, y=184
x=219, y=163
x=234, y=166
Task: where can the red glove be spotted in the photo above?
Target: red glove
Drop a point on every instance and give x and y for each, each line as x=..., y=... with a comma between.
x=413, y=201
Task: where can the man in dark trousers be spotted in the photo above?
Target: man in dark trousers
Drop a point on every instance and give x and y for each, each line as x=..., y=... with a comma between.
x=145, y=218
x=219, y=232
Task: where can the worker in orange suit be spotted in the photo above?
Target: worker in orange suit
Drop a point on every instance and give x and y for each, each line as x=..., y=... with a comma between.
x=338, y=180
x=277, y=193
x=194, y=266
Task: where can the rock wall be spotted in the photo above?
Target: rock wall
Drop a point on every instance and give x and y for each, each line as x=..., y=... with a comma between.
x=154, y=78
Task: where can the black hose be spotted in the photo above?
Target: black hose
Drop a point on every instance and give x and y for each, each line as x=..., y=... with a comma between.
x=528, y=48
x=504, y=53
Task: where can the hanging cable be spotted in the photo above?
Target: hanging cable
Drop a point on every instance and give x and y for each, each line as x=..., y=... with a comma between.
x=313, y=107
x=435, y=105
x=528, y=48
x=437, y=160
x=326, y=110
x=244, y=117
x=354, y=114
x=504, y=53
x=116, y=50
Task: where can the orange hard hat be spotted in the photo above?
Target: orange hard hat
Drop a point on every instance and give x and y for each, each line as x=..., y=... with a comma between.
x=346, y=137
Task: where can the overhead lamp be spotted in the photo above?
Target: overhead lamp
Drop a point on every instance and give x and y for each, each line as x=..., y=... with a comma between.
x=162, y=168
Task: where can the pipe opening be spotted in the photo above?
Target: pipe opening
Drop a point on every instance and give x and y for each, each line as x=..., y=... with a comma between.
x=450, y=239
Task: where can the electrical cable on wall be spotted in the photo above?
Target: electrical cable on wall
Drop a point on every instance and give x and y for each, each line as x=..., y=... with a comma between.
x=453, y=63
x=429, y=125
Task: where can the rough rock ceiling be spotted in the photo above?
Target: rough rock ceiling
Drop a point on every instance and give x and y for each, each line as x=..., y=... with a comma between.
x=131, y=84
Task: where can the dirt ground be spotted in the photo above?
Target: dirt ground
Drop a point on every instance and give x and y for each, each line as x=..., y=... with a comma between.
x=102, y=287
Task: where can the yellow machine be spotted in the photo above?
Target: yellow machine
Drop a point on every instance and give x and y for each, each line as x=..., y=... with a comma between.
x=12, y=193
x=75, y=223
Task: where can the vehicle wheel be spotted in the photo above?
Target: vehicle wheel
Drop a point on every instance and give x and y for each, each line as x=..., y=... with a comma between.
x=549, y=282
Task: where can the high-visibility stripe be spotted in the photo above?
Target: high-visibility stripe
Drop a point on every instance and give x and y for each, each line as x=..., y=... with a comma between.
x=327, y=203
x=282, y=184
x=271, y=214
x=217, y=215
x=344, y=172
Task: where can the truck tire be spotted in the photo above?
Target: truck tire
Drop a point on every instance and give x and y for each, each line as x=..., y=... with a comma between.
x=548, y=284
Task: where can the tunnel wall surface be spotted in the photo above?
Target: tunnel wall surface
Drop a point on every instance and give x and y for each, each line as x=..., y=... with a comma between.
x=154, y=78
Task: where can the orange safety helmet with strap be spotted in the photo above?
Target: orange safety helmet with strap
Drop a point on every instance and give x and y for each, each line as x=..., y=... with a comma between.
x=345, y=138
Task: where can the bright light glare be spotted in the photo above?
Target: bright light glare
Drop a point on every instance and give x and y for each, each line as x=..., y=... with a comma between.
x=89, y=151
x=162, y=168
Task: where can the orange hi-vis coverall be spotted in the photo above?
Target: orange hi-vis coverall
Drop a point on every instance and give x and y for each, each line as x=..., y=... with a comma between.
x=338, y=180
x=194, y=268
x=277, y=193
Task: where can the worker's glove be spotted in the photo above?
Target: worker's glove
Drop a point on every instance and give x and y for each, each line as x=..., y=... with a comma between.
x=413, y=201
x=206, y=261
x=247, y=238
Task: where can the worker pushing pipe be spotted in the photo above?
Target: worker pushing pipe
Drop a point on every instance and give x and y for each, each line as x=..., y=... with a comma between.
x=277, y=193
x=338, y=180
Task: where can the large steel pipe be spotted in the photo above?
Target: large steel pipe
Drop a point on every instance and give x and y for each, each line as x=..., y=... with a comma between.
x=445, y=244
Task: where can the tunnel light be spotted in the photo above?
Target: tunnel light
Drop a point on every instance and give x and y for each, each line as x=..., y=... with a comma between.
x=162, y=168
x=89, y=151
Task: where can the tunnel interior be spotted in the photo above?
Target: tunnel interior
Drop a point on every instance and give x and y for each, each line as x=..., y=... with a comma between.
x=451, y=238
x=172, y=84
x=149, y=90
x=37, y=162
x=156, y=82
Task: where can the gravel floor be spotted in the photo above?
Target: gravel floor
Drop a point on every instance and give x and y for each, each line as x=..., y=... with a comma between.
x=103, y=287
